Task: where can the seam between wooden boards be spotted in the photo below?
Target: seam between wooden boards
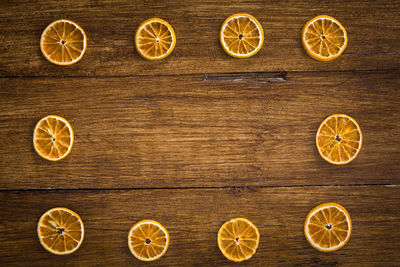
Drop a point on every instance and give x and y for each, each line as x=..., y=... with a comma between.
x=273, y=76
x=194, y=188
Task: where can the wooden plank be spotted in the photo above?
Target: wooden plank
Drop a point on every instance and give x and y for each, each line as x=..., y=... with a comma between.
x=195, y=131
x=110, y=27
x=193, y=218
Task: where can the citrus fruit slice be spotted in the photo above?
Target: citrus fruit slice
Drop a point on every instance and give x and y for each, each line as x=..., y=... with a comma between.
x=155, y=39
x=53, y=138
x=324, y=38
x=63, y=42
x=60, y=231
x=328, y=227
x=148, y=240
x=238, y=239
x=339, y=139
x=241, y=36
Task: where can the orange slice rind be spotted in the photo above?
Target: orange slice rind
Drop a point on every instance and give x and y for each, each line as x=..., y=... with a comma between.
x=241, y=36
x=238, y=239
x=328, y=227
x=155, y=39
x=60, y=231
x=324, y=38
x=339, y=139
x=63, y=42
x=148, y=240
x=53, y=138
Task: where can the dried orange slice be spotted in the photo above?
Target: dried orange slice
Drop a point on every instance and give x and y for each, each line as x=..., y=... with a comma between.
x=60, y=231
x=148, y=240
x=155, y=39
x=63, y=42
x=339, y=139
x=241, y=36
x=324, y=38
x=328, y=227
x=238, y=239
x=53, y=138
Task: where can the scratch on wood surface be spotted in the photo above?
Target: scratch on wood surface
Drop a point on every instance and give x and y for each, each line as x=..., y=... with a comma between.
x=260, y=77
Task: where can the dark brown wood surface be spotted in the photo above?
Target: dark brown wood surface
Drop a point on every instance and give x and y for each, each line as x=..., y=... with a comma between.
x=372, y=26
x=199, y=138
x=193, y=217
x=200, y=130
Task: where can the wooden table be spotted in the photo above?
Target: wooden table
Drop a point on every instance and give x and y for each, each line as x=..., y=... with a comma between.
x=199, y=138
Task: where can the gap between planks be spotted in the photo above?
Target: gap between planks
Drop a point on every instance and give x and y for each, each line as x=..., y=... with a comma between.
x=262, y=77
x=194, y=188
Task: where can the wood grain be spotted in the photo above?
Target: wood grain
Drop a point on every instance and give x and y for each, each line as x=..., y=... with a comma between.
x=199, y=131
x=199, y=138
x=193, y=218
x=372, y=26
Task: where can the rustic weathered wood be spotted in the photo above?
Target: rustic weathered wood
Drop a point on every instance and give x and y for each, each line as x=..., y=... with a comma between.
x=373, y=26
x=193, y=218
x=199, y=131
x=200, y=137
